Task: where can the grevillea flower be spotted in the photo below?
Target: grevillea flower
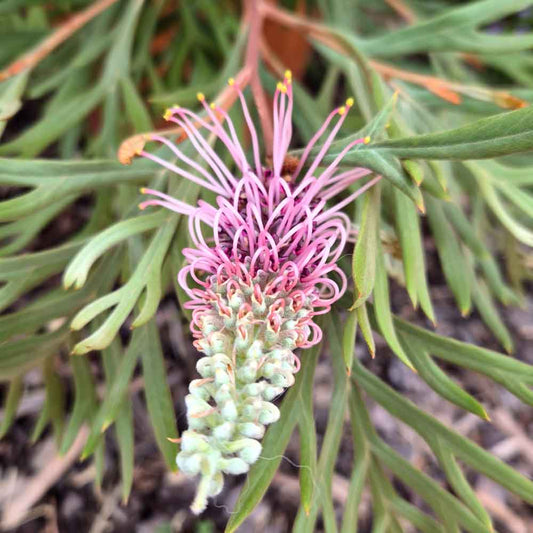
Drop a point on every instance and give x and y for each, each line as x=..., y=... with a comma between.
x=262, y=268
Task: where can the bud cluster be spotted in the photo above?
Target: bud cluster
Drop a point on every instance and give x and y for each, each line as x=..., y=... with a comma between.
x=248, y=333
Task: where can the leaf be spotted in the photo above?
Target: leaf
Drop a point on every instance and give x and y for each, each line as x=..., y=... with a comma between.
x=19, y=355
x=134, y=105
x=440, y=500
x=501, y=134
x=53, y=125
x=459, y=482
x=408, y=228
x=428, y=427
x=84, y=401
x=308, y=445
x=452, y=30
x=519, y=231
x=464, y=228
x=110, y=407
x=364, y=257
x=111, y=358
x=488, y=311
x=439, y=381
x=157, y=393
x=331, y=442
x=348, y=340
x=366, y=330
x=360, y=471
x=384, y=499
x=125, y=298
x=10, y=98
x=382, y=309
x=78, y=269
x=451, y=257
x=56, y=304
x=55, y=397
x=14, y=394
x=467, y=355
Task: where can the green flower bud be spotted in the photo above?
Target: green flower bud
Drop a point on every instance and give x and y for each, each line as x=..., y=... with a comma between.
x=189, y=464
x=224, y=431
x=221, y=377
x=251, y=430
x=251, y=451
x=269, y=413
x=272, y=392
x=229, y=411
x=235, y=466
x=193, y=442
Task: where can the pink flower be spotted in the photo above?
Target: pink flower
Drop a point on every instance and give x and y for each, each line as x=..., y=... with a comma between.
x=266, y=267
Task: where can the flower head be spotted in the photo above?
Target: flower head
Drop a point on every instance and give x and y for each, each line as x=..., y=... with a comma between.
x=266, y=267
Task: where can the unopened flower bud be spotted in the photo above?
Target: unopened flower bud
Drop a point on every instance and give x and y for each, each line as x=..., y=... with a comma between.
x=269, y=413
x=235, y=466
x=251, y=430
x=224, y=431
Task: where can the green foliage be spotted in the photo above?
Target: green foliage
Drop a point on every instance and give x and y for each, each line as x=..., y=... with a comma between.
x=108, y=81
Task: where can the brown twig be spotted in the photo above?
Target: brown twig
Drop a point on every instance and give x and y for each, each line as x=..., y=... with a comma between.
x=37, y=54
x=16, y=509
x=502, y=512
x=445, y=89
x=255, y=24
x=403, y=10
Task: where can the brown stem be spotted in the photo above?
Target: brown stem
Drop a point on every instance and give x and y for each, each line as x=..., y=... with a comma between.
x=403, y=10
x=255, y=23
x=37, y=54
x=447, y=90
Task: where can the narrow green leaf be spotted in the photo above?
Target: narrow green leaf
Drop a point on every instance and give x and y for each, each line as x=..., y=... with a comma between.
x=518, y=230
x=444, y=504
x=134, y=106
x=451, y=30
x=14, y=394
x=355, y=493
x=451, y=257
x=158, y=397
x=408, y=227
x=439, y=381
x=48, y=129
x=55, y=397
x=417, y=518
x=84, y=401
x=78, y=270
x=348, y=340
x=382, y=308
x=147, y=269
x=491, y=270
x=467, y=355
x=111, y=358
x=428, y=427
x=307, y=468
x=364, y=258
x=10, y=97
x=110, y=407
x=40, y=424
x=332, y=438
x=459, y=482
x=366, y=330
